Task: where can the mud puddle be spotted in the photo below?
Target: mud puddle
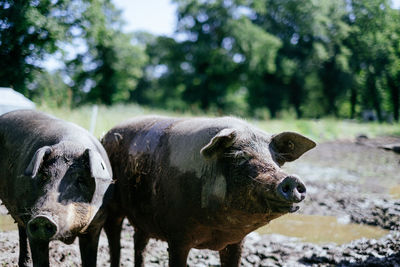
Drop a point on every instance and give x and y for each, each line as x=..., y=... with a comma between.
x=7, y=223
x=321, y=229
x=395, y=192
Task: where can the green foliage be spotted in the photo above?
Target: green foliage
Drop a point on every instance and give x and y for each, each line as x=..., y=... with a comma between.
x=257, y=46
x=257, y=58
x=28, y=31
x=51, y=86
x=111, y=67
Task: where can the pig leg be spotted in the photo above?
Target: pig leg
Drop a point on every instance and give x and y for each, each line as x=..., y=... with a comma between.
x=24, y=256
x=40, y=252
x=231, y=254
x=178, y=253
x=140, y=241
x=88, y=244
x=113, y=227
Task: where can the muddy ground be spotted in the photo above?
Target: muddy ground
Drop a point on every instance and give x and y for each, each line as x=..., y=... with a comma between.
x=353, y=179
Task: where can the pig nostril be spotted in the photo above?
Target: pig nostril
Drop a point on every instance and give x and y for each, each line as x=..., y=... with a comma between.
x=33, y=228
x=301, y=189
x=49, y=228
x=286, y=188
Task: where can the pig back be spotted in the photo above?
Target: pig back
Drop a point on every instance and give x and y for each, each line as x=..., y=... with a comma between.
x=22, y=132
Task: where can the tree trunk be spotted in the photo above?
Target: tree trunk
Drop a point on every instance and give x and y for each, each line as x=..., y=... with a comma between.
x=374, y=94
x=395, y=96
x=353, y=102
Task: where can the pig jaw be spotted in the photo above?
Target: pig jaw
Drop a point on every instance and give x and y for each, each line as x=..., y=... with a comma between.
x=253, y=210
x=228, y=227
x=70, y=217
x=65, y=221
x=252, y=204
x=70, y=214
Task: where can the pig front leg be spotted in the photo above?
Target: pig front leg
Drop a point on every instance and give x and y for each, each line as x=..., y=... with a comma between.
x=230, y=256
x=40, y=252
x=24, y=256
x=178, y=253
x=88, y=244
x=140, y=241
x=113, y=227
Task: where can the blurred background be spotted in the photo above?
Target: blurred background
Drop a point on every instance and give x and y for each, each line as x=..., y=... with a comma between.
x=258, y=58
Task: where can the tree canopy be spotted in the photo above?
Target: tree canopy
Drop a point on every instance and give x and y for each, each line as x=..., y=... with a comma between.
x=244, y=57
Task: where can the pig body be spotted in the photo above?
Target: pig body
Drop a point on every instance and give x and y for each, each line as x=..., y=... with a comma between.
x=198, y=183
x=53, y=177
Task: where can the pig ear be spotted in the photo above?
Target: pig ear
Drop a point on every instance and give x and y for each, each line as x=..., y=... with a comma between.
x=97, y=166
x=289, y=146
x=218, y=143
x=36, y=161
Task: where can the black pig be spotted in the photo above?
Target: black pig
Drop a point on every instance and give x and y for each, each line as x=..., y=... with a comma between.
x=53, y=177
x=199, y=183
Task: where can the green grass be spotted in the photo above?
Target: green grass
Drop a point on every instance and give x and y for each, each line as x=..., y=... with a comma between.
x=329, y=129
x=319, y=130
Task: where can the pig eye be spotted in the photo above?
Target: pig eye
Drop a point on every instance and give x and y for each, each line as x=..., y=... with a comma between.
x=243, y=161
x=244, y=158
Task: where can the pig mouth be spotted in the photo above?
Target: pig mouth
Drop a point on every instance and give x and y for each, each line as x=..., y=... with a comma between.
x=294, y=208
x=65, y=236
x=291, y=208
x=282, y=207
x=67, y=239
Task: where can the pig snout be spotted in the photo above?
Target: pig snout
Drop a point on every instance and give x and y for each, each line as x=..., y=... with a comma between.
x=292, y=189
x=42, y=227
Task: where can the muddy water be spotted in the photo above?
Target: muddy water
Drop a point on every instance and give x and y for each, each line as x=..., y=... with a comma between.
x=7, y=223
x=308, y=228
x=395, y=191
x=320, y=229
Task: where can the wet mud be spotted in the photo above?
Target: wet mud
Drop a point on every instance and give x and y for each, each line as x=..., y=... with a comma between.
x=352, y=185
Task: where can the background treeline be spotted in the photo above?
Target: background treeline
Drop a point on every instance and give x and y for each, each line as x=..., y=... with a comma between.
x=261, y=58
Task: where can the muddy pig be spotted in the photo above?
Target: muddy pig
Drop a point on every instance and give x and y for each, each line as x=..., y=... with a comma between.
x=199, y=183
x=53, y=178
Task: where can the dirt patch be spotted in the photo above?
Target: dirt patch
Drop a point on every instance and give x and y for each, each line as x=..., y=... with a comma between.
x=347, y=179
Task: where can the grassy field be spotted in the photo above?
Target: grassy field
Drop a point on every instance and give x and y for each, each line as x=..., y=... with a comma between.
x=319, y=130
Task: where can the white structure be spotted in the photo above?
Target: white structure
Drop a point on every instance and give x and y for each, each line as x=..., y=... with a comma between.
x=12, y=100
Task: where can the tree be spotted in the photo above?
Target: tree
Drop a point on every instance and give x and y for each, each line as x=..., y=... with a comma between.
x=393, y=71
x=312, y=54
x=373, y=49
x=111, y=66
x=209, y=69
x=29, y=30
x=49, y=89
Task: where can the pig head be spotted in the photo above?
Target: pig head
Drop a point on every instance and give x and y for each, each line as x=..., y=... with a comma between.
x=69, y=183
x=249, y=179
